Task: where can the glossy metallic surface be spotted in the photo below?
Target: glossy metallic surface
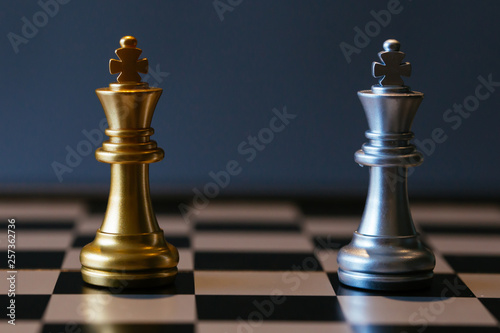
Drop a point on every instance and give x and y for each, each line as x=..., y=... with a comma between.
x=129, y=249
x=385, y=252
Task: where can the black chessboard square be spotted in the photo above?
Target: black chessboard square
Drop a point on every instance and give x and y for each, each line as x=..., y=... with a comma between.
x=35, y=259
x=493, y=305
x=442, y=286
x=41, y=225
x=335, y=207
x=81, y=241
x=434, y=228
x=256, y=261
x=474, y=264
x=247, y=226
x=179, y=242
x=258, y=308
x=72, y=283
x=122, y=328
x=26, y=306
x=330, y=243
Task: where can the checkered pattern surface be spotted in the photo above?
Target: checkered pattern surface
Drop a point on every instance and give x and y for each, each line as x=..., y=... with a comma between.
x=252, y=267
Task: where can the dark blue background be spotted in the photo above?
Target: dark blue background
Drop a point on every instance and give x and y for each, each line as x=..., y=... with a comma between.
x=226, y=76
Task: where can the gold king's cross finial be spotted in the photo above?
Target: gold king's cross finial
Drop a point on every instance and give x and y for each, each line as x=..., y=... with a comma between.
x=129, y=64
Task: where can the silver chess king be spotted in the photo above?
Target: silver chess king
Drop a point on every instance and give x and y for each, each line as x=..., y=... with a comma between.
x=385, y=252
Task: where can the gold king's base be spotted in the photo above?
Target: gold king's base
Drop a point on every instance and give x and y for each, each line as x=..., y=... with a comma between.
x=131, y=280
x=144, y=260
x=129, y=250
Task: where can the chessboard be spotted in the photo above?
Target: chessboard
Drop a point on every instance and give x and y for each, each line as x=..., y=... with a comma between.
x=250, y=266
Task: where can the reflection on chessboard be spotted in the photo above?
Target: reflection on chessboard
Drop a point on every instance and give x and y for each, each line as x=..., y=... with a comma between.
x=253, y=267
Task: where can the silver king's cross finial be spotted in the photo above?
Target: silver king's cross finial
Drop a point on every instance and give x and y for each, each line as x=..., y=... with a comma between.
x=392, y=66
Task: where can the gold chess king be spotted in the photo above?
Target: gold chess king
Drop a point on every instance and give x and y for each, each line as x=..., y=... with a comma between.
x=129, y=249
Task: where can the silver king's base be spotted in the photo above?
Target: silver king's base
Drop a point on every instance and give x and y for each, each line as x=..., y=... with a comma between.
x=386, y=263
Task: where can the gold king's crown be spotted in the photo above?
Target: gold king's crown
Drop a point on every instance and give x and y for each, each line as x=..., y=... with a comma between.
x=129, y=66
